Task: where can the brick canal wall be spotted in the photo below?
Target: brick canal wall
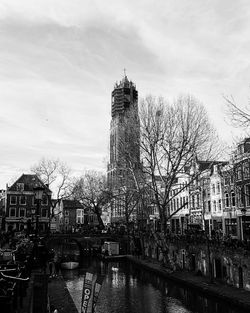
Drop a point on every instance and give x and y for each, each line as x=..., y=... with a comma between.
x=228, y=265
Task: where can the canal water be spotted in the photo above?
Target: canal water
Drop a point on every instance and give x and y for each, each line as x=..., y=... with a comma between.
x=129, y=289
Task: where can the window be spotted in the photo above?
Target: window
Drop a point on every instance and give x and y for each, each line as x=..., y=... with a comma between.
x=213, y=188
x=13, y=200
x=209, y=205
x=12, y=212
x=22, y=212
x=246, y=171
x=79, y=220
x=193, y=202
x=233, y=198
x=45, y=200
x=247, y=196
x=66, y=213
x=214, y=206
x=20, y=186
x=219, y=204
x=44, y=212
x=22, y=200
x=218, y=187
x=33, y=201
x=79, y=213
x=227, y=180
x=241, y=196
x=227, y=200
x=66, y=220
x=239, y=173
x=232, y=179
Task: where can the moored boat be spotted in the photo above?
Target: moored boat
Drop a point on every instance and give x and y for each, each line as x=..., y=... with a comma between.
x=70, y=256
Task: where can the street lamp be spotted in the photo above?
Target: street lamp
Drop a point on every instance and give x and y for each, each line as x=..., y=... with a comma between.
x=243, y=212
x=38, y=191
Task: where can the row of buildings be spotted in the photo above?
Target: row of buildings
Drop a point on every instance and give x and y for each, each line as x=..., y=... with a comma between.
x=217, y=193
x=22, y=208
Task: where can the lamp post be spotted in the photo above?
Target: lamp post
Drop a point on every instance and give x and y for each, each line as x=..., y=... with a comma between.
x=38, y=191
x=243, y=212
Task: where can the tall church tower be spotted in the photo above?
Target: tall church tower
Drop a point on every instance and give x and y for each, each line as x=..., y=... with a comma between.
x=124, y=132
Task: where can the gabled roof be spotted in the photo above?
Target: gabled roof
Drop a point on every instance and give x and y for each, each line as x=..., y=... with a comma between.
x=30, y=181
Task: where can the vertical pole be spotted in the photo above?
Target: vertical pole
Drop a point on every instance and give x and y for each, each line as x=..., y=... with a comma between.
x=210, y=264
x=37, y=216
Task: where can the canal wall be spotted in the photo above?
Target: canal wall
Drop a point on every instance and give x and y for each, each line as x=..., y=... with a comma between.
x=235, y=297
x=227, y=265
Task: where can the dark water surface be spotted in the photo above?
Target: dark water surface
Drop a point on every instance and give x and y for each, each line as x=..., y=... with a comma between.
x=129, y=289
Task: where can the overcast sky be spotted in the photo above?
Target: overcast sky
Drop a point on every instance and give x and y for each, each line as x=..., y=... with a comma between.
x=59, y=60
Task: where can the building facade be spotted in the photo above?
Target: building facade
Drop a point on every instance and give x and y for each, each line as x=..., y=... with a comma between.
x=22, y=209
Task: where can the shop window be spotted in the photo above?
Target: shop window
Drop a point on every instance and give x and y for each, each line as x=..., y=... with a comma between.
x=231, y=226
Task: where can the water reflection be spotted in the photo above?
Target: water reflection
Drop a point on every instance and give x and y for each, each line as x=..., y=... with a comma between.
x=128, y=289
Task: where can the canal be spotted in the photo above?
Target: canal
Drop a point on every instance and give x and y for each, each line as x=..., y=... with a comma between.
x=129, y=289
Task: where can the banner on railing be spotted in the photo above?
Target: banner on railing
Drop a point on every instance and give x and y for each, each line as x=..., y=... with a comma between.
x=91, y=288
x=97, y=289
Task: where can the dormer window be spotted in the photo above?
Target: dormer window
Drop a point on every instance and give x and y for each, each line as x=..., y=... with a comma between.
x=20, y=187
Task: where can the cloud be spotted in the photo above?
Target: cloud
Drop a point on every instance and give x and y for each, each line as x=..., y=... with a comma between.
x=59, y=60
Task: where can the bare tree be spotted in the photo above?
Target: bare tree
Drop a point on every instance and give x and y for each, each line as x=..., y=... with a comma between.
x=239, y=117
x=91, y=190
x=172, y=136
x=57, y=176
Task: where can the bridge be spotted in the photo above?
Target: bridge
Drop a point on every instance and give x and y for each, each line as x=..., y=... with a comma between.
x=87, y=244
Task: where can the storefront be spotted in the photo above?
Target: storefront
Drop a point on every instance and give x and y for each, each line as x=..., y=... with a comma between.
x=231, y=227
